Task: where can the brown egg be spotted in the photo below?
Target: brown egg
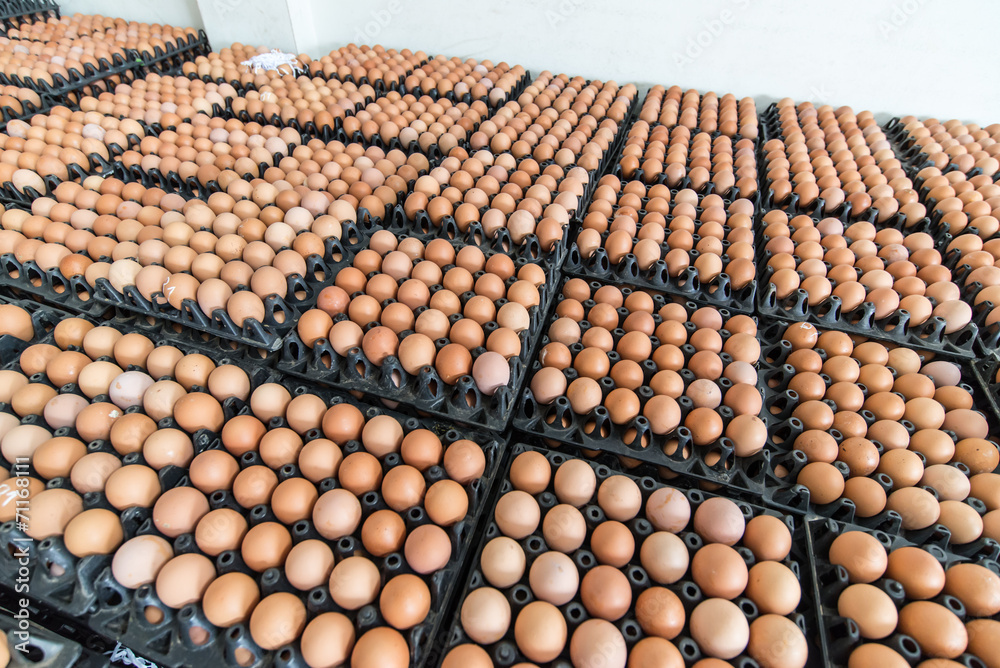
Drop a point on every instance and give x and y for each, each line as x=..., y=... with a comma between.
x=870, y=608
x=918, y=571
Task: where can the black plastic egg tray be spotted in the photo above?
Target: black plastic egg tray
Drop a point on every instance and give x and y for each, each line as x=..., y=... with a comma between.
x=86, y=597
x=91, y=81
x=16, y=12
x=424, y=392
x=9, y=195
x=505, y=652
x=422, y=227
x=708, y=189
x=719, y=292
x=43, y=641
x=636, y=441
x=169, y=60
x=905, y=148
x=28, y=280
x=895, y=328
x=840, y=636
x=786, y=462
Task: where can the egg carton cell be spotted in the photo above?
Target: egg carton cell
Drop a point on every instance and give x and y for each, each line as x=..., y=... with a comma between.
x=871, y=589
x=636, y=429
x=426, y=391
x=576, y=555
x=875, y=462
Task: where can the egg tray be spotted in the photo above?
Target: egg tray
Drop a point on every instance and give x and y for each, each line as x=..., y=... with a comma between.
x=280, y=316
x=27, y=111
x=636, y=440
x=529, y=250
x=11, y=195
x=424, y=392
x=86, y=588
x=187, y=340
x=861, y=321
x=168, y=61
x=514, y=93
x=13, y=13
x=709, y=188
x=172, y=182
x=986, y=369
x=68, y=89
x=50, y=643
x=701, y=97
x=839, y=636
x=72, y=294
x=505, y=652
x=906, y=149
x=783, y=429
x=719, y=292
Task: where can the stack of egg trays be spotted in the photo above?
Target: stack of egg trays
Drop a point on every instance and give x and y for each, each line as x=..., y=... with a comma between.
x=15, y=12
x=29, y=281
x=895, y=328
x=46, y=648
x=280, y=314
x=69, y=90
x=85, y=589
x=505, y=653
x=168, y=61
x=782, y=430
x=425, y=392
x=172, y=182
x=636, y=441
x=838, y=636
x=28, y=110
x=988, y=341
x=514, y=93
x=905, y=147
x=720, y=292
x=10, y=195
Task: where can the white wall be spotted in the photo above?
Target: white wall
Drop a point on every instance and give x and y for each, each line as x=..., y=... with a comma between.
x=180, y=13
x=895, y=57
